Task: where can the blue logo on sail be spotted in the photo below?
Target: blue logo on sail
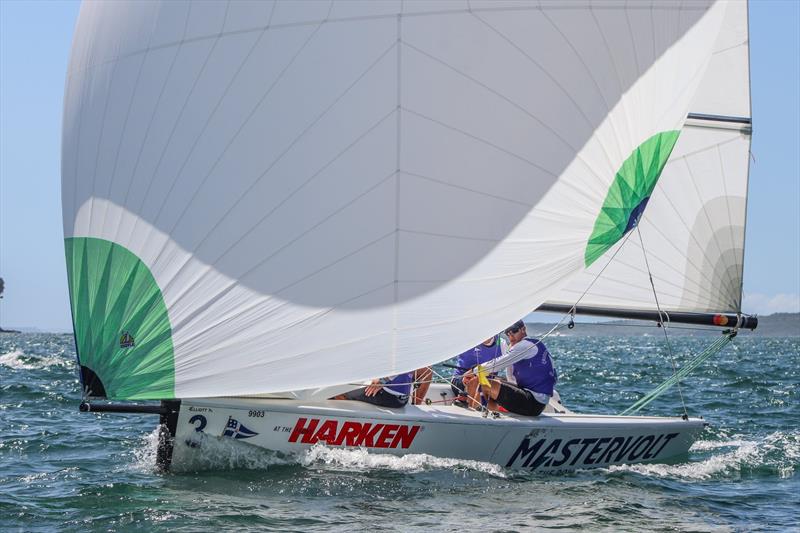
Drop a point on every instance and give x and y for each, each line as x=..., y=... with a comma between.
x=237, y=430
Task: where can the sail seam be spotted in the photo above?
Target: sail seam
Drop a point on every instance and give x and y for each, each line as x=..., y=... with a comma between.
x=233, y=138
x=280, y=157
x=544, y=71
x=540, y=122
x=467, y=189
x=714, y=235
x=689, y=232
x=479, y=139
x=204, y=128
x=100, y=137
x=166, y=145
x=396, y=288
x=210, y=267
x=617, y=76
x=262, y=262
x=697, y=269
x=337, y=261
x=379, y=17
x=599, y=91
x=727, y=198
x=124, y=130
x=689, y=171
x=146, y=136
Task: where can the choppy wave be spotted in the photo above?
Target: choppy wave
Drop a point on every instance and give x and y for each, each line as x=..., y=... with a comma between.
x=217, y=453
x=361, y=459
x=778, y=453
x=207, y=453
x=19, y=360
x=62, y=468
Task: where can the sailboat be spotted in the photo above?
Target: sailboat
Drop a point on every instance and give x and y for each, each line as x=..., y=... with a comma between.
x=266, y=204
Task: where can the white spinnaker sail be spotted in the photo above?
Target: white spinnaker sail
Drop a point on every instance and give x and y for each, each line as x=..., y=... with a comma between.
x=266, y=196
x=694, y=226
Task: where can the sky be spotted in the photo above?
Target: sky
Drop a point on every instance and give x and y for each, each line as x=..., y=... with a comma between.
x=35, y=40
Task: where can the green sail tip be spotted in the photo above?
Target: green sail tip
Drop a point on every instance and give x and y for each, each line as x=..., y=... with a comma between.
x=122, y=330
x=628, y=195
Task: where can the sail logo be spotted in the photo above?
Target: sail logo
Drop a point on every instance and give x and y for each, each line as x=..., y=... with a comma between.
x=591, y=451
x=126, y=340
x=351, y=433
x=236, y=430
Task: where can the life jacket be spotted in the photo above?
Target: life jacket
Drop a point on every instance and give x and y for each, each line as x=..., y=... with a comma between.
x=399, y=385
x=537, y=373
x=478, y=355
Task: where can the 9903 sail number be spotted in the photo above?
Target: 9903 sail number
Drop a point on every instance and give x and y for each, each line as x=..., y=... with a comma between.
x=256, y=413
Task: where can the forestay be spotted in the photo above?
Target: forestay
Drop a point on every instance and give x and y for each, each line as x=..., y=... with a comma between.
x=693, y=229
x=266, y=196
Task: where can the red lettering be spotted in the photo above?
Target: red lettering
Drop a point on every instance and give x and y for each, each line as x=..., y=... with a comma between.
x=405, y=436
x=326, y=432
x=353, y=433
x=367, y=435
x=348, y=434
x=387, y=434
x=301, y=429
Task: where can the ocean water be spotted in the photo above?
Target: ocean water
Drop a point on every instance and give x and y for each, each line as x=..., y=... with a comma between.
x=65, y=470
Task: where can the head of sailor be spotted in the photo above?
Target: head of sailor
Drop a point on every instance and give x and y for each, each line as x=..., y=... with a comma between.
x=515, y=332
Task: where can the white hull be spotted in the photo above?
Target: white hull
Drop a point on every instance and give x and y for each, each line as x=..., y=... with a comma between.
x=551, y=442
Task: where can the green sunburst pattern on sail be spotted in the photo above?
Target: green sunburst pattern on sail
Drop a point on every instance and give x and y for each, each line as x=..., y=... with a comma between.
x=122, y=330
x=628, y=195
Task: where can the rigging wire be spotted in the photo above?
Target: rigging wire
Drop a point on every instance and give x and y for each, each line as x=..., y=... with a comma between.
x=714, y=348
x=664, y=325
x=571, y=312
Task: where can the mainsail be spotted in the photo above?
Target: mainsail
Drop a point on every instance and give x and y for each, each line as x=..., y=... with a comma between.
x=265, y=196
x=694, y=227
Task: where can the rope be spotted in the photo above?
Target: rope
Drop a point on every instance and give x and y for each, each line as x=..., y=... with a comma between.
x=476, y=400
x=714, y=348
x=663, y=324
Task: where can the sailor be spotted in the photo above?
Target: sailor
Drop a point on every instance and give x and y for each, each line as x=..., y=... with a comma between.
x=532, y=369
x=491, y=348
x=392, y=391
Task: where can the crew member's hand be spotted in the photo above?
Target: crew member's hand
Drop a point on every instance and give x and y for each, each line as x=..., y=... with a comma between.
x=373, y=388
x=468, y=377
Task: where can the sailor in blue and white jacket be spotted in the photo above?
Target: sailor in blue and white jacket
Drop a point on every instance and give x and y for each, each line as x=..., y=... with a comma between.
x=532, y=369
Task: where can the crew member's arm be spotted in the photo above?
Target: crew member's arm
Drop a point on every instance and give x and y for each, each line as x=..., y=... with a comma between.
x=373, y=388
x=522, y=350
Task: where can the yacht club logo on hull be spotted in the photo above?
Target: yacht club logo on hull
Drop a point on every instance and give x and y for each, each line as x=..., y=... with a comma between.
x=592, y=451
x=351, y=433
x=236, y=430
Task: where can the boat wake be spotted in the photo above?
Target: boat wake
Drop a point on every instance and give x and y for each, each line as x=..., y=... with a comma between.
x=218, y=453
x=359, y=459
x=777, y=453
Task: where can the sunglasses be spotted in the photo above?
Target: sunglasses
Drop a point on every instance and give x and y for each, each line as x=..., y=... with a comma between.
x=513, y=330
